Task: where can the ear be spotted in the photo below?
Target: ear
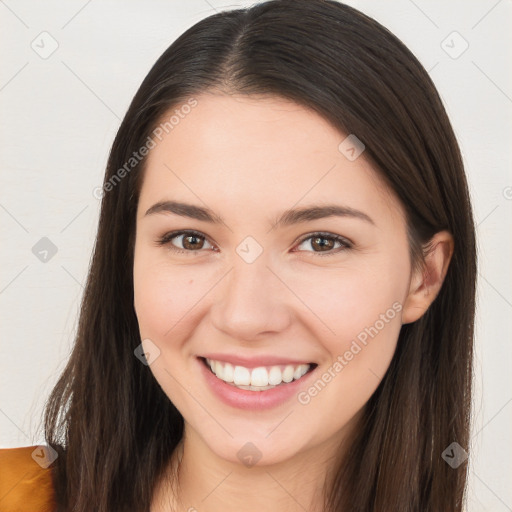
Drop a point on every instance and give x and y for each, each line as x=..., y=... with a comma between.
x=427, y=281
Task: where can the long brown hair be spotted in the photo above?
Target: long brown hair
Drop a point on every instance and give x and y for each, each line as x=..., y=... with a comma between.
x=112, y=425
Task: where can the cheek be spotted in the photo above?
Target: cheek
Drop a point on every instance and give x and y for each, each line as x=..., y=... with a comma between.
x=360, y=309
x=164, y=299
x=162, y=295
x=363, y=307
x=347, y=302
x=169, y=298
x=367, y=310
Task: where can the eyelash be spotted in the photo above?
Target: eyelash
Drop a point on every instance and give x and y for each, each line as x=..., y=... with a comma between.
x=166, y=240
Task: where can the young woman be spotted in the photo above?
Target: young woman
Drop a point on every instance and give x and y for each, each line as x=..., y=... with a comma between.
x=279, y=310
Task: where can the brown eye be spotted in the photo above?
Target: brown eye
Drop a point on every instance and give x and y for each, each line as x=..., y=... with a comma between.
x=191, y=241
x=325, y=243
x=321, y=243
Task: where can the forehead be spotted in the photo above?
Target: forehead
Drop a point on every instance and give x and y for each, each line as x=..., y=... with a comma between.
x=246, y=153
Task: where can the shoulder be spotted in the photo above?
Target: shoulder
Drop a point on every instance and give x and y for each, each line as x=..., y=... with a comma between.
x=25, y=479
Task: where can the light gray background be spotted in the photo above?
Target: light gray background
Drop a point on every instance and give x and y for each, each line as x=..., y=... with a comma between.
x=59, y=116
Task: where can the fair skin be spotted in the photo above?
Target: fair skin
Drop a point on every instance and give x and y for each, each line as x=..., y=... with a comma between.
x=248, y=160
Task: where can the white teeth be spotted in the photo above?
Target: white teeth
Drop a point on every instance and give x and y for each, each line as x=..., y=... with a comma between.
x=229, y=372
x=299, y=372
x=257, y=379
x=288, y=373
x=241, y=375
x=275, y=376
x=252, y=388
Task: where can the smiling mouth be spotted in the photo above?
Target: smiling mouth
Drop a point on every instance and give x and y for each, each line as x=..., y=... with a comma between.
x=260, y=378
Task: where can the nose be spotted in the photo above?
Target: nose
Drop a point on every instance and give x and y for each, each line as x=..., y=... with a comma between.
x=251, y=300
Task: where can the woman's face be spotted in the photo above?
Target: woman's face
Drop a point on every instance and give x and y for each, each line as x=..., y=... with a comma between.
x=257, y=293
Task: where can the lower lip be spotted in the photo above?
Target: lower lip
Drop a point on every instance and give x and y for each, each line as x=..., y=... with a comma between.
x=253, y=400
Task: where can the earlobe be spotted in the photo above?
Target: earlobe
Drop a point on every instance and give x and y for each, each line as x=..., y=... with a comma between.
x=427, y=282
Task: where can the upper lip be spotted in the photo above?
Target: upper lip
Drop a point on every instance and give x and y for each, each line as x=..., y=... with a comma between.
x=255, y=361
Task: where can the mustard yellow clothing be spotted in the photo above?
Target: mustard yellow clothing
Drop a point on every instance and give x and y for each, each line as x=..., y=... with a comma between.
x=25, y=486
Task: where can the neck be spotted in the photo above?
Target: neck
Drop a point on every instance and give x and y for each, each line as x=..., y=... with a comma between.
x=199, y=480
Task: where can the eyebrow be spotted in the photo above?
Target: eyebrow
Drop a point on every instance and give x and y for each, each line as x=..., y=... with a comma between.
x=287, y=218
